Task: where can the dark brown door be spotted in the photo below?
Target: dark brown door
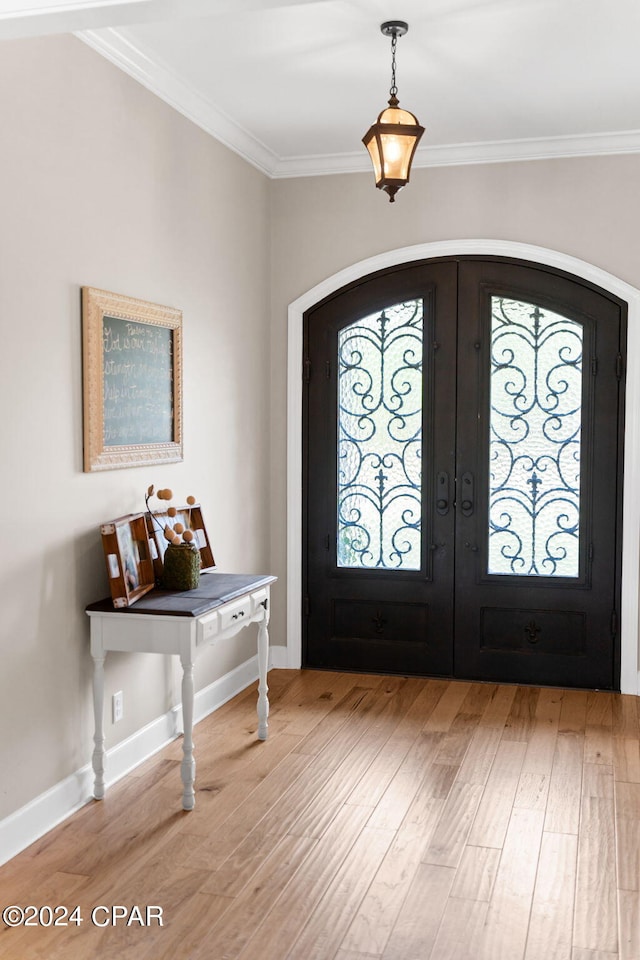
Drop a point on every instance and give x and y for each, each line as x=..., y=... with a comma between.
x=462, y=475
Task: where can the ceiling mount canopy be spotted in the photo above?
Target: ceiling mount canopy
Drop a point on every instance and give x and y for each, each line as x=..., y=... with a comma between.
x=393, y=138
x=394, y=28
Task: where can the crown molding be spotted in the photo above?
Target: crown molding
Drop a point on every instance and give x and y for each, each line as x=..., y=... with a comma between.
x=161, y=80
x=166, y=84
x=459, y=154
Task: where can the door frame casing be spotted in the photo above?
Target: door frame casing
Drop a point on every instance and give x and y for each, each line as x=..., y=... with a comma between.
x=629, y=607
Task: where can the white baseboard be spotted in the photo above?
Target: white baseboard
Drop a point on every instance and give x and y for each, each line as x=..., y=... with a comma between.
x=46, y=811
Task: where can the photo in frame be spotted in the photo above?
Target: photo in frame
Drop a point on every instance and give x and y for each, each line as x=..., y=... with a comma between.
x=132, y=381
x=127, y=554
x=191, y=519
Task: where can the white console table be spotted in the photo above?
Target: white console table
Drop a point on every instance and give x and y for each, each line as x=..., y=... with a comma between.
x=180, y=623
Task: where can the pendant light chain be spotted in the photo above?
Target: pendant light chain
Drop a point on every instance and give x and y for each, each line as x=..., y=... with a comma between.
x=393, y=90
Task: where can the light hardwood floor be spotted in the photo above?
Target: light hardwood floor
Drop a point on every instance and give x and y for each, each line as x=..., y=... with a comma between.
x=384, y=819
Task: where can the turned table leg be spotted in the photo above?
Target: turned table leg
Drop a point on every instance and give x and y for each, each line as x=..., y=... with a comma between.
x=98, y=737
x=263, y=689
x=188, y=766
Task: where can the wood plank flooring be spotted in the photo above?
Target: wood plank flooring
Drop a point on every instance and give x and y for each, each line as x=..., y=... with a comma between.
x=384, y=819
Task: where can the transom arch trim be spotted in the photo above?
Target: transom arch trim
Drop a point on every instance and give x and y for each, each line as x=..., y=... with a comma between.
x=629, y=678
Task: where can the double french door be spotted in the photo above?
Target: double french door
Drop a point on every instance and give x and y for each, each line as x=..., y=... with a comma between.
x=462, y=482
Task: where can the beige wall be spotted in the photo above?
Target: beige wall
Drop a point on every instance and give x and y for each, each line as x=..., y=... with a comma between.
x=588, y=208
x=103, y=184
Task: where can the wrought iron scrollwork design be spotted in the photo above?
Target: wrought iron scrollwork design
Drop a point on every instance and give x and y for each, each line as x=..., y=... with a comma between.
x=535, y=424
x=380, y=439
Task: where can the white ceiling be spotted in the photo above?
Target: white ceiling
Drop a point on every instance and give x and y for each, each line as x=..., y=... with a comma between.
x=292, y=85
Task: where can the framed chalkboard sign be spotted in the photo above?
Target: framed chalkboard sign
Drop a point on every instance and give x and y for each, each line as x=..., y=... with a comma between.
x=132, y=378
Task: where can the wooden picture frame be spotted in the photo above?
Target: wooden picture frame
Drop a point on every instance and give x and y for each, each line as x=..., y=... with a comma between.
x=132, y=381
x=191, y=519
x=127, y=555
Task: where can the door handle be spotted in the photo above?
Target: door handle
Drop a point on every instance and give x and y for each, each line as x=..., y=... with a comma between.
x=466, y=495
x=442, y=493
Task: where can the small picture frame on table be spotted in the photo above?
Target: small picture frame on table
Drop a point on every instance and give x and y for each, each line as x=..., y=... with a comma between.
x=127, y=554
x=191, y=519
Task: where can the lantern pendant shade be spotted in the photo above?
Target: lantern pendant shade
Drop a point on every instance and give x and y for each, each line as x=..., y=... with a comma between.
x=391, y=143
x=393, y=138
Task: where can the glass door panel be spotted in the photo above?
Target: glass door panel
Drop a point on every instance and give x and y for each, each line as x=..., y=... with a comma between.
x=535, y=440
x=379, y=455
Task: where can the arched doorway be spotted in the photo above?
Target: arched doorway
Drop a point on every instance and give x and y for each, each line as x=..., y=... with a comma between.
x=630, y=564
x=455, y=520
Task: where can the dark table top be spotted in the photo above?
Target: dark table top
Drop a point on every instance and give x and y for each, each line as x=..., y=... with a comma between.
x=213, y=590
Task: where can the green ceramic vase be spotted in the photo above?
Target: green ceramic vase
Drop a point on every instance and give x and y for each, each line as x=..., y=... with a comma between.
x=181, y=567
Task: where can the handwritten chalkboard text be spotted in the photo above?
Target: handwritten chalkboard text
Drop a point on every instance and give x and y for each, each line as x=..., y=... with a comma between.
x=137, y=382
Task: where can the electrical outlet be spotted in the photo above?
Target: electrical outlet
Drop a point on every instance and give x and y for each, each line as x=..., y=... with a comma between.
x=118, y=706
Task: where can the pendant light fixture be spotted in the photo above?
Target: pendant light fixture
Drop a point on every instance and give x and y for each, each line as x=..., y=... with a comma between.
x=393, y=138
